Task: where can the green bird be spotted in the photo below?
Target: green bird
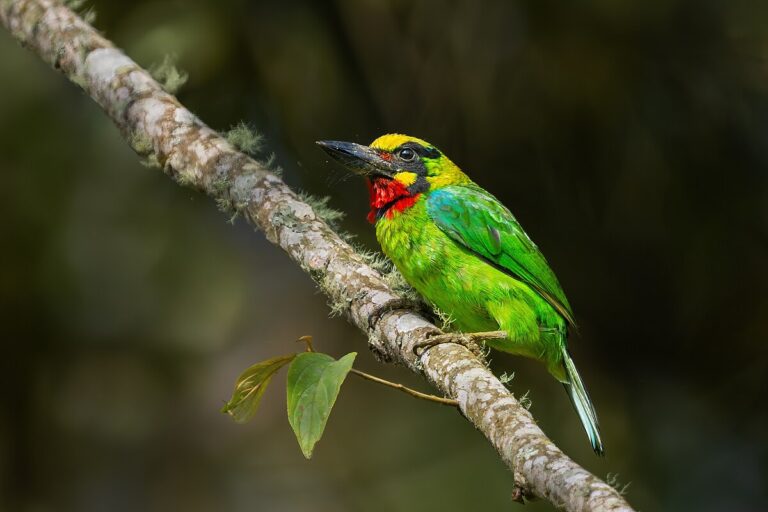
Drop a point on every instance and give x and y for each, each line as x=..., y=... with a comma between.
x=465, y=252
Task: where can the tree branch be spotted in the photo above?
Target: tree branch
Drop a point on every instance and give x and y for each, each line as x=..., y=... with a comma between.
x=155, y=122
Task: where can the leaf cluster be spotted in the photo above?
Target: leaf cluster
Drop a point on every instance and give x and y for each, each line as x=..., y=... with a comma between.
x=312, y=386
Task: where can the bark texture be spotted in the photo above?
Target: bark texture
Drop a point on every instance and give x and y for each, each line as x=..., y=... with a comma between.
x=157, y=125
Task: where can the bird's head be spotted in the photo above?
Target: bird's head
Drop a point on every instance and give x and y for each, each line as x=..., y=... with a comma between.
x=399, y=169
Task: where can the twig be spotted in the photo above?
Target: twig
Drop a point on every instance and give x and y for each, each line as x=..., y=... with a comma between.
x=418, y=394
x=405, y=389
x=308, y=341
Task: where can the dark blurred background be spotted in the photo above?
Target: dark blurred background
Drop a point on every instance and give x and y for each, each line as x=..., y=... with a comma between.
x=630, y=139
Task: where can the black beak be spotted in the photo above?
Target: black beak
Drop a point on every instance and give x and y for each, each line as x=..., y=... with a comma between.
x=358, y=158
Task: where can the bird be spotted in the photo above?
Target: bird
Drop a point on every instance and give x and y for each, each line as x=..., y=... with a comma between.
x=468, y=256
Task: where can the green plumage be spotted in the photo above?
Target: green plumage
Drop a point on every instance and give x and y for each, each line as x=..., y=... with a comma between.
x=466, y=253
x=445, y=248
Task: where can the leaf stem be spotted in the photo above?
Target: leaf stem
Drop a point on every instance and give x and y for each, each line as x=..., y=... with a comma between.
x=407, y=390
x=308, y=341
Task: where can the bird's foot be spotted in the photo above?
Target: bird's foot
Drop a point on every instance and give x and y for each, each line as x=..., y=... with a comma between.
x=471, y=341
x=398, y=304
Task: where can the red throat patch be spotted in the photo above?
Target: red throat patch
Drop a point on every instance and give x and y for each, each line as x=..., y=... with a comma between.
x=388, y=196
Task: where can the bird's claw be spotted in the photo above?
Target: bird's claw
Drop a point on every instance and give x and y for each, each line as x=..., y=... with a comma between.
x=471, y=341
x=395, y=305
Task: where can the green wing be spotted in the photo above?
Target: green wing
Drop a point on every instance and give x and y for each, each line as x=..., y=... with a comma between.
x=478, y=221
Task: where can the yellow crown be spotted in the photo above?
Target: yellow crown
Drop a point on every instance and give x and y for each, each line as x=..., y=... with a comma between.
x=390, y=141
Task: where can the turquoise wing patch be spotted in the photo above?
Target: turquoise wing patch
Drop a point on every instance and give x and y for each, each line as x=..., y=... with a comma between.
x=478, y=221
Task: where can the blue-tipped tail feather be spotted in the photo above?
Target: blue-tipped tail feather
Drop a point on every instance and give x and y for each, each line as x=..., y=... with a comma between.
x=581, y=402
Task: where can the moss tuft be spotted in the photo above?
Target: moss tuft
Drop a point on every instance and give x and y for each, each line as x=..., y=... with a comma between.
x=397, y=282
x=337, y=308
x=338, y=305
x=248, y=140
x=443, y=319
x=89, y=15
x=141, y=143
x=150, y=161
x=612, y=479
x=525, y=400
x=505, y=378
x=375, y=260
x=271, y=165
x=225, y=205
x=321, y=208
x=168, y=75
x=245, y=139
x=74, y=4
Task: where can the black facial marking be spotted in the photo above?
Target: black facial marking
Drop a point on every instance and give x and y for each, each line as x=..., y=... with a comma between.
x=409, y=156
x=423, y=151
x=420, y=185
x=431, y=152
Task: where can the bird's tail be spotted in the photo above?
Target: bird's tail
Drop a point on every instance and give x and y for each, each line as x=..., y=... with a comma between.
x=581, y=402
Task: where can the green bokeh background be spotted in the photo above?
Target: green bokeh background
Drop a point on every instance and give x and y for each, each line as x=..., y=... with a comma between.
x=630, y=139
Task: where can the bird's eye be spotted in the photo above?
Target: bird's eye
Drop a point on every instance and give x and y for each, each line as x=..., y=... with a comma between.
x=407, y=154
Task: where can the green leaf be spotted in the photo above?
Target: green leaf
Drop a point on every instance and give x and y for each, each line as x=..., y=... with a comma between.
x=314, y=381
x=251, y=385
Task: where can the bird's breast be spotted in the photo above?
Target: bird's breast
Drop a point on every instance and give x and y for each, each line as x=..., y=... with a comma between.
x=417, y=247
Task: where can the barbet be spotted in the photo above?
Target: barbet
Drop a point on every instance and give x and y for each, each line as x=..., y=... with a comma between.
x=465, y=252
